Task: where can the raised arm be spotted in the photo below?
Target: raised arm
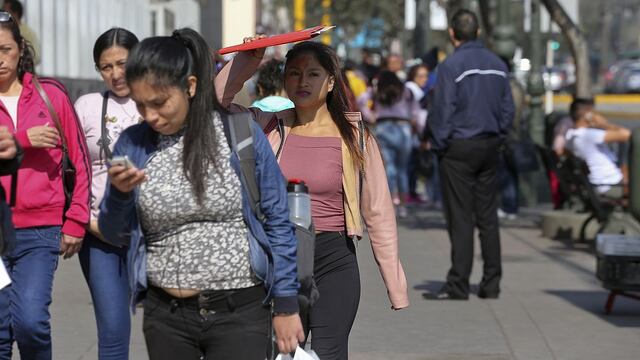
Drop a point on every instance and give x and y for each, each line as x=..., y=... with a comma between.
x=233, y=75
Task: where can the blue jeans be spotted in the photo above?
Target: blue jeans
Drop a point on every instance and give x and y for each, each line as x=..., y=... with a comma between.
x=24, y=305
x=104, y=268
x=394, y=137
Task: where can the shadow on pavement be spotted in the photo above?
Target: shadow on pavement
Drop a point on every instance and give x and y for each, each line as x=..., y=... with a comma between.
x=422, y=218
x=433, y=286
x=626, y=312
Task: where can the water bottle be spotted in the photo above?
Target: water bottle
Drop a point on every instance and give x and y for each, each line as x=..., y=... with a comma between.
x=299, y=203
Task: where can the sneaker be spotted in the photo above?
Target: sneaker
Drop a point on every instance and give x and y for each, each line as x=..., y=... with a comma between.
x=415, y=200
x=402, y=211
x=506, y=215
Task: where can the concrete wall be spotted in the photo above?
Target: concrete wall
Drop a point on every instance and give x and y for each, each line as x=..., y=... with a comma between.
x=67, y=29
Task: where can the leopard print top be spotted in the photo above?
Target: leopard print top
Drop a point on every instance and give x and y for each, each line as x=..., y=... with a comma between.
x=192, y=246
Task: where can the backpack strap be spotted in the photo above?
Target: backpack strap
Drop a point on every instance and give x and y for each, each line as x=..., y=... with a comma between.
x=281, y=132
x=104, y=141
x=238, y=130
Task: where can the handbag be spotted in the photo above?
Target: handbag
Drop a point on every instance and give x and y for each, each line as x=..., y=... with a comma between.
x=522, y=155
x=424, y=162
x=68, y=169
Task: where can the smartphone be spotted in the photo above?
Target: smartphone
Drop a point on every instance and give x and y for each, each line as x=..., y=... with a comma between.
x=120, y=161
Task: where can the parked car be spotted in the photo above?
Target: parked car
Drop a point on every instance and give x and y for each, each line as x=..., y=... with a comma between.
x=623, y=77
x=554, y=78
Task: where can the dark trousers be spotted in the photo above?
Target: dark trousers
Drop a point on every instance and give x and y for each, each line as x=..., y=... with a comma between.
x=184, y=329
x=338, y=279
x=468, y=175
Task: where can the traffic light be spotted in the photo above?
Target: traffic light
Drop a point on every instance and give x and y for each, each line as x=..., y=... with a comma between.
x=555, y=45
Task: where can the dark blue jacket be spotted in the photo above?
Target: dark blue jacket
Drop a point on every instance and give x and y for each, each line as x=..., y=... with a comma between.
x=272, y=245
x=472, y=97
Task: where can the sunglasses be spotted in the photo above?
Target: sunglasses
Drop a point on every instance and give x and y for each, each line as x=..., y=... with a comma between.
x=5, y=17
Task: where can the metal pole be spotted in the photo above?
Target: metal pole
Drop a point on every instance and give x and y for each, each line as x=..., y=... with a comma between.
x=535, y=86
x=299, y=12
x=535, y=83
x=326, y=21
x=423, y=26
x=505, y=44
x=548, y=96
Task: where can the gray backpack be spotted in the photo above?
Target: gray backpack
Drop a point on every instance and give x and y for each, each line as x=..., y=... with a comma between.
x=239, y=133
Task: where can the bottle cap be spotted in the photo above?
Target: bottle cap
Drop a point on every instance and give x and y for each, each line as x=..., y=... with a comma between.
x=297, y=185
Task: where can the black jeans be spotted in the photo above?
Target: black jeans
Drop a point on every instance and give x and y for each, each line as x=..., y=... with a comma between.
x=338, y=279
x=218, y=329
x=468, y=175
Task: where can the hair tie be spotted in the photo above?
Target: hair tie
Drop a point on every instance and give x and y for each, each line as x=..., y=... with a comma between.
x=176, y=35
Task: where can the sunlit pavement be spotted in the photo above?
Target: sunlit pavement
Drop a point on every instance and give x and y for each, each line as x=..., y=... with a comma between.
x=551, y=305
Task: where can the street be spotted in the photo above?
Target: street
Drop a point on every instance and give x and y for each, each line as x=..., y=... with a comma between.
x=551, y=305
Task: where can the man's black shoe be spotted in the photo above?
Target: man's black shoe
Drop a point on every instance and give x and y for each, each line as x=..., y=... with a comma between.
x=443, y=295
x=488, y=295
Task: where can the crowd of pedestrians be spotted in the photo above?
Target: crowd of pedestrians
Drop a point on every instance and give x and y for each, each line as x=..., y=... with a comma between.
x=142, y=182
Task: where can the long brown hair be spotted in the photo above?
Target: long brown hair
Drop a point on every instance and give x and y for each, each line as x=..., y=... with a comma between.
x=337, y=99
x=26, y=63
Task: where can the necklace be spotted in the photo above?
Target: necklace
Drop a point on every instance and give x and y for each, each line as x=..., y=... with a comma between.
x=122, y=106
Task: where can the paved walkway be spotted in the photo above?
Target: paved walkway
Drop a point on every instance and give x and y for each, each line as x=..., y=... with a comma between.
x=551, y=306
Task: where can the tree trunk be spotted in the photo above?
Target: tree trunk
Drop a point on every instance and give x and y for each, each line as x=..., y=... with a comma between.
x=578, y=45
x=452, y=6
x=485, y=15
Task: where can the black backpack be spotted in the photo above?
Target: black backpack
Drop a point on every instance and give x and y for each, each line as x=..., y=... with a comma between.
x=239, y=133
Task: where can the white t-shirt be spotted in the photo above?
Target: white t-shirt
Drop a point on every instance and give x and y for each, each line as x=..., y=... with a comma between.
x=588, y=144
x=11, y=103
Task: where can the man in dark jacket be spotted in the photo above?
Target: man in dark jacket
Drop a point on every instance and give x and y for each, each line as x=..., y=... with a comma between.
x=10, y=157
x=472, y=110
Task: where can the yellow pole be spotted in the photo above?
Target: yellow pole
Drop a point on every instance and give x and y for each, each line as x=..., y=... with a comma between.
x=326, y=20
x=299, y=12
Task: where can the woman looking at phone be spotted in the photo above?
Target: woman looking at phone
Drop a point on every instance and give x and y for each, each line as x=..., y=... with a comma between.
x=191, y=225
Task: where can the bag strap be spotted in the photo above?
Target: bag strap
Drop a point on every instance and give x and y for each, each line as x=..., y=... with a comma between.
x=239, y=133
x=52, y=112
x=281, y=132
x=14, y=189
x=104, y=139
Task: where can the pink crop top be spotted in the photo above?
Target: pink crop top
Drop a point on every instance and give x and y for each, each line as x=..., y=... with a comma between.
x=318, y=162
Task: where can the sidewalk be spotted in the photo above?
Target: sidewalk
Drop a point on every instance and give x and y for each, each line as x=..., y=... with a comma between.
x=551, y=306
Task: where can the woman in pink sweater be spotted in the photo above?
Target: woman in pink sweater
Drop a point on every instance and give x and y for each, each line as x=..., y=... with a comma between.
x=319, y=141
x=103, y=117
x=47, y=223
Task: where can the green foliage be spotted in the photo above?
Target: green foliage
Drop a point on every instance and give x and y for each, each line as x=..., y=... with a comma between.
x=351, y=15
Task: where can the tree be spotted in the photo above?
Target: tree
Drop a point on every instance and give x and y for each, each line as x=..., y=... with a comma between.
x=353, y=15
x=577, y=44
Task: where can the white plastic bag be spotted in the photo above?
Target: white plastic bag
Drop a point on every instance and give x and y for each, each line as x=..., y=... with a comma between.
x=5, y=280
x=300, y=354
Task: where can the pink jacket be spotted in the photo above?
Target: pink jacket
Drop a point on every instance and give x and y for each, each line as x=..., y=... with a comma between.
x=40, y=196
x=375, y=205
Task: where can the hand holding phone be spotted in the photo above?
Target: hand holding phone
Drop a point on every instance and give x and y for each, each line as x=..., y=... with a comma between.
x=120, y=161
x=123, y=174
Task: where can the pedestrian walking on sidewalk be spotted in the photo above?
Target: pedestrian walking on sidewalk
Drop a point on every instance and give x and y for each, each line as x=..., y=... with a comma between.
x=320, y=133
x=205, y=265
x=471, y=113
x=103, y=117
x=395, y=115
x=50, y=221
